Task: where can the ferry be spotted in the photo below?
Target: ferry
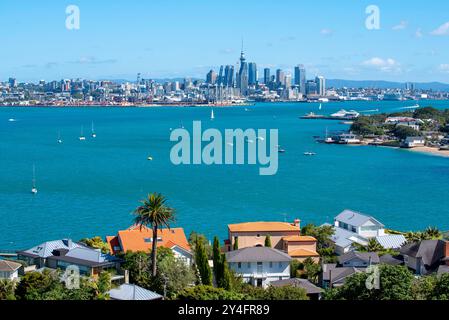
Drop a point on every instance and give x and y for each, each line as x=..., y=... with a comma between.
x=348, y=138
x=345, y=115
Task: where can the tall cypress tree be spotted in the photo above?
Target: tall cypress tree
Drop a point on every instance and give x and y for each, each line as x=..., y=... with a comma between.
x=216, y=255
x=268, y=241
x=202, y=263
x=236, y=243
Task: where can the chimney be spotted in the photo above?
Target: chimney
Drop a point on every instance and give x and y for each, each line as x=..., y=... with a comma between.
x=297, y=223
x=126, y=274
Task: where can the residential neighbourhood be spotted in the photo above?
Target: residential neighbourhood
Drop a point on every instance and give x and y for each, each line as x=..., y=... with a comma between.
x=264, y=255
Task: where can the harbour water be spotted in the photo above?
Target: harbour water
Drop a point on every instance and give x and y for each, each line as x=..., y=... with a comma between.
x=89, y=188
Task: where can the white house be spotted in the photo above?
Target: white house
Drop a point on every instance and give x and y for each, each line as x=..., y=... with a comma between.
x=259, y=266
x=355, y=227
x=9, y=270
x=412, y=142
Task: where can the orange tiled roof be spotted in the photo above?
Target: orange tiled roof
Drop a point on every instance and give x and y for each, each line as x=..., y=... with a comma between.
x=303, y=253
x=299, y=239
x=136, y=239
x=262, y=227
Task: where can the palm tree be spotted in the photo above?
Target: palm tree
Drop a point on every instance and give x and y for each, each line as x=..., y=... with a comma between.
x=156, y=214
x=374, y=246
x=433, y=233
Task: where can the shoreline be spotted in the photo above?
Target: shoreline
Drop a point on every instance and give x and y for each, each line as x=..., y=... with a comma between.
x=431, y=151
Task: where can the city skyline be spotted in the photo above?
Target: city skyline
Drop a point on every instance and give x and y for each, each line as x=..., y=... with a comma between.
x=334, y=42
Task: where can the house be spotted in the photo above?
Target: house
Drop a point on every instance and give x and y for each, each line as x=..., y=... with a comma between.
x=358, y=259
x=354, y=227
x=9, y=270
x=391, y=241
x=132, y=292
x=60, y=254
x=412, y=142
x=90, y=262
x=136, y=239
x=301, y=247
x=333, y=276
x=391, y=260
x=424, y=257
x=39, y=254
x=259, y=266
x=253, y=234
x=312, y=291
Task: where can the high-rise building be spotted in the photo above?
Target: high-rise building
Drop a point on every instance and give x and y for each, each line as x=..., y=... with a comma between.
x=211, y=77
x=12, y=82
x=252, y=73
x=266, y=75
x=300, y=78
x=311, y=87
x=280, y=77
x=242, y=81
x=220, y=76
x=229, y=76
x=320, y=85
x=288, y=80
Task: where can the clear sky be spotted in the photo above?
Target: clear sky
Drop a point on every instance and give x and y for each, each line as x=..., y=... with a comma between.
x=177, y=38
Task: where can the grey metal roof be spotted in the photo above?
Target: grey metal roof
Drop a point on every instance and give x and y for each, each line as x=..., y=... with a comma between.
x=133, y=292
x=364, y=256
x=257, y=254
x=85, y=256
x=9, y=266
x=46, y=249
x=391, y=241
x=344, y=238
x=391, y=260
x=430, y=251
x=298, y=283
x=355, y=218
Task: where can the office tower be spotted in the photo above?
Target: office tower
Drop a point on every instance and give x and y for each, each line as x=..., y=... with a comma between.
x=280, y=77
x=266, y=75
x=409, y=86
x=12, y=82
x=252, y=73
x=229, y=76
x=300, y=78
x=211, y=77
x=220, y=76
x=311, y=87
x=288, y=80
x=321, y=85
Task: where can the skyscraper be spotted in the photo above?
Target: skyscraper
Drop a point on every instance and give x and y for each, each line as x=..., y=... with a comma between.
x=311, y=87
x=280, y=77
x=266, y=75
x=320, y=85
x=252, y=73
x=229, y=76
x=211, y=77
x=242, y=81
x=220, y=76
x=300, y=78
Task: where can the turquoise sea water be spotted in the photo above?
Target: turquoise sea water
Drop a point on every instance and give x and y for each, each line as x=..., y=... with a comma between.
x=90, y=188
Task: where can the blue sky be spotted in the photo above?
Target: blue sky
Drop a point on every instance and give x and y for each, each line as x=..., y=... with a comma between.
x=177, y=38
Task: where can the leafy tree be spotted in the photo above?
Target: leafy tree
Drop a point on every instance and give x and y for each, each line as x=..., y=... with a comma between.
x=203, y=292
x=96, y=243
x=423, y=287
x=268, y=241
x=202, y=263
x=39, y=286
x=433, y=233
x=311, y=270
x=323, y=234
x=441, y=289
x=275, y=293
x=154, y=213
x=7, y=289
x=395, y=284
x=138, y=266
x=223, y=274
x=374, y=246
x=402, y=132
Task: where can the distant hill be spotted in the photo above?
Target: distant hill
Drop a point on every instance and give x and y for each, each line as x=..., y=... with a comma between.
x=339, y=83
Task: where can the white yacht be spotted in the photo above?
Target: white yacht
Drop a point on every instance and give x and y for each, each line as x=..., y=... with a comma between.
x=352, y=114
x=82, y=137
x=34, y=188
x=94, y=135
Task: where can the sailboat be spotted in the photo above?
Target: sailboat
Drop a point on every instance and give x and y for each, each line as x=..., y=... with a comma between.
x=320, y=107
x=59, y=137
x=82, y=137
x=94, y=135
x=34, y=189
x=212, y=116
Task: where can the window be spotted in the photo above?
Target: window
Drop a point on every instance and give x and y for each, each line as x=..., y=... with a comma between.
x=280, y=264
x=249, y=265
x=239, y=265
x=148, y=240
x=271, y=264
x=353, y=229
x=258, y=235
